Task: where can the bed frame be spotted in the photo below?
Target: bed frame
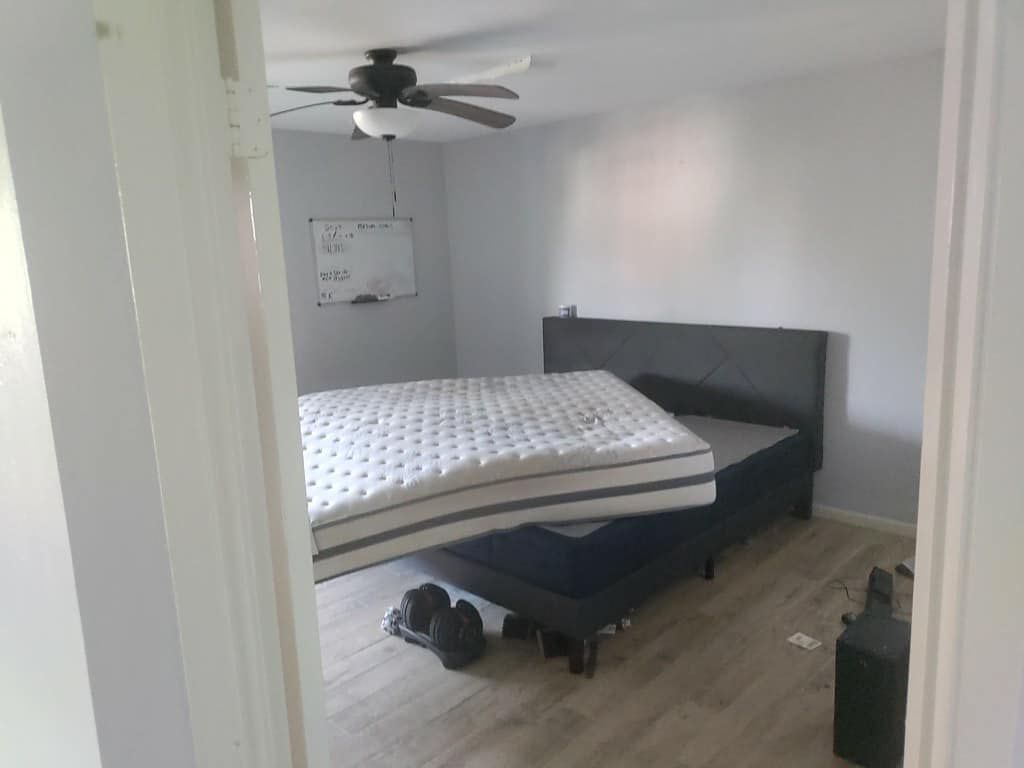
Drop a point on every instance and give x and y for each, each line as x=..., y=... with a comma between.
x=768, y=376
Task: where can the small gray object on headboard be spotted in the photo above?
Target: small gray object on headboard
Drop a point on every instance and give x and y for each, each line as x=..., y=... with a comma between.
x=770, y=376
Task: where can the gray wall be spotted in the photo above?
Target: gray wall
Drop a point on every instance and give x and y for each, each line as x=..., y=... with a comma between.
x=806, y=203
x=324, y=176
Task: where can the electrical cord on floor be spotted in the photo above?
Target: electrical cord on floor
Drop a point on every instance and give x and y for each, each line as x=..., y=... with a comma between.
x=840, y=584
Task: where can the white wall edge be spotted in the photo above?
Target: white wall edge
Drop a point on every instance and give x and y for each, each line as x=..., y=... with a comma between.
x=958, y=304
x=860, y=520
x=47, y=650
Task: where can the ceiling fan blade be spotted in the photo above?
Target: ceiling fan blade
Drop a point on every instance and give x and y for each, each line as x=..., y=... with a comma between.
x=336, y=102
x=317, y=89
x=358, y=133
x=514, y=67
x=307, y=106
x=487, y=117
x=417, y=92
x=470, y=41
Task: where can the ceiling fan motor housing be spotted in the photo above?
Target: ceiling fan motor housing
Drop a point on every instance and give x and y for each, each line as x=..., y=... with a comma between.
x=382, y=80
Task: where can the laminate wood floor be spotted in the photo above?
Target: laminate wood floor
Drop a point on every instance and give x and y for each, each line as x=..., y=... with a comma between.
x=704, y=677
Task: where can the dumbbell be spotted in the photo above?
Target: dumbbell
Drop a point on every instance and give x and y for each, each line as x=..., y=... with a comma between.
x=419, y=605
x=452, y=629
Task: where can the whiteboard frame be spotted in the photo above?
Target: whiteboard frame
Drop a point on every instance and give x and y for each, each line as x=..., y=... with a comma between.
x=316, y=264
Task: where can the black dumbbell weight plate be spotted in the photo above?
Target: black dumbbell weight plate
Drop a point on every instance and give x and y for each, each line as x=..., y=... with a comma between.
x=416, y=610
x=438, y=596
x=446, y=629
x=475, y=623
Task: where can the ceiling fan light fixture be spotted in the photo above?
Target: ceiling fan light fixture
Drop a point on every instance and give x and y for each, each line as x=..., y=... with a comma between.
x=382, y=122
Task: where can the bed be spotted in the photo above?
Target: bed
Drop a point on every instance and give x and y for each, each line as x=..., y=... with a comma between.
x=572, y=496
x=759, y=389
x=578, y=560
x=399, y=468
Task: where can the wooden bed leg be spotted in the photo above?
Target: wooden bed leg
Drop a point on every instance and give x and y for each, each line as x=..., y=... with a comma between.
x=576, y=656
x=590, y=657
x=804, y=507
x=709, y=569
x=583, y=656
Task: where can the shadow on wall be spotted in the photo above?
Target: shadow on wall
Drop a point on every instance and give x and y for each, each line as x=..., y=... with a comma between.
x=866, y=469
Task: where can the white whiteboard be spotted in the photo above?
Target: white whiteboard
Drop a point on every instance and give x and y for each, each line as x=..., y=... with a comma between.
x=365, y=259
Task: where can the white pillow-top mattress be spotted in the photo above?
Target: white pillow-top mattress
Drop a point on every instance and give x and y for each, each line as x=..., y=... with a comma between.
x=397, y=468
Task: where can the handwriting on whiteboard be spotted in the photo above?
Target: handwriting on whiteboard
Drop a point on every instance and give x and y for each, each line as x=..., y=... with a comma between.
x=362, y=257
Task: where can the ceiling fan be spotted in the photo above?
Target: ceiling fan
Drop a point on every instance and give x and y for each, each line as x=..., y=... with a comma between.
x=382, y=85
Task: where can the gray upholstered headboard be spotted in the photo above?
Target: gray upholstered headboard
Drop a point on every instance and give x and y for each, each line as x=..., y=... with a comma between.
x=759, y=375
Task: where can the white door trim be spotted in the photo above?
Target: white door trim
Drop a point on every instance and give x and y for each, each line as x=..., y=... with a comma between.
x=958, y=304
x=266, y=287
x=215, y=339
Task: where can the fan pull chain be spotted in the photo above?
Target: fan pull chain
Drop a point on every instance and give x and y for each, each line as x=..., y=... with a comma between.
x=391, y=178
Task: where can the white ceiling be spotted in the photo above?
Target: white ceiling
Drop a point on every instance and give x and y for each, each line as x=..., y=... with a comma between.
x=588, y=55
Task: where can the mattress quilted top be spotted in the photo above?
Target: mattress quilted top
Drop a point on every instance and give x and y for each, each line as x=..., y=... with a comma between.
x=379, y=446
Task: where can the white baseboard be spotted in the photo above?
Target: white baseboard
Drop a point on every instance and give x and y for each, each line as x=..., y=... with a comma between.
x=865, y=521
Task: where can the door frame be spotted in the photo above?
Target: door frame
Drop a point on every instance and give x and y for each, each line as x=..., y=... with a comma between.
x=958, y=303
x=283, y=663
x=187, y=109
